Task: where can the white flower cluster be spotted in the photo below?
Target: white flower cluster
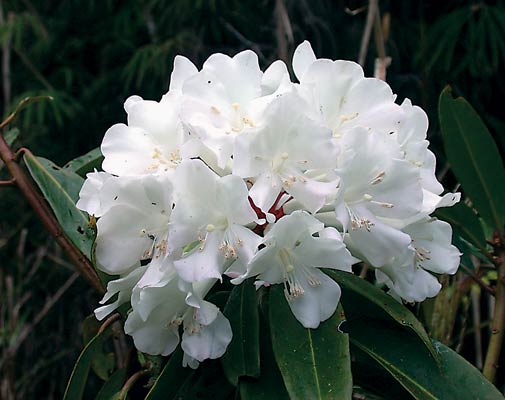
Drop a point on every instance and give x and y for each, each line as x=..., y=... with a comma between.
x=245, y=173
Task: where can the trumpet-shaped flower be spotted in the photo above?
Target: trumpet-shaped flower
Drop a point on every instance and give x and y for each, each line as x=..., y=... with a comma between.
x=150, y=143
x=430, y=251
x=162, y=304
x=376, y=184
x=136, y=228
x=341, y=97
x=290, y=153
x=292, y=256
x=226, y=98
x=211, y=212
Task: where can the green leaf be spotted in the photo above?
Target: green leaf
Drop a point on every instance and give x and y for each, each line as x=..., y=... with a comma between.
x=78, y=378
x=269, y=385
x=102, y=363
x=467, y=380
x=242, y=358
x=370, y=375
x=86, y=163
x=171, y=378
x=402, y=355
x=207, y=382
x=112, y=387
x=61, y=190
x=315, y=363
x=361, y=298
x=474, y=157
x=462, y=218
x=11, y=135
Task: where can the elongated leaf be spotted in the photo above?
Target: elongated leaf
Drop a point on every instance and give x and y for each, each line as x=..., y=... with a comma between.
x=102, y=363
x=11, y=135
x=61, y=190
x=171, y=378
x=78, y=378
x=468, y=382
x=85, y=163
x=242, y=357
x=463, y=219
x=401, y=354
x=269, y=385
x=362, y=299
x=474, y=157
x=314, y=363
x=370, y=375
x=207, y=382
x=112, y=387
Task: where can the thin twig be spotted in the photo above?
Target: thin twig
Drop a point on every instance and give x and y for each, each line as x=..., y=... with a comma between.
x=130, y=382
x=478, y=280
x=283, y=31
x=10, y=182
x=476, y=317
x=22, y=104
x=365, y=39
x=498, y=324
x=109, y=321
x=382, y=62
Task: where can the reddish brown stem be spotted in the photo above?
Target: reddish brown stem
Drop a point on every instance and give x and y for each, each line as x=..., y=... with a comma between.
x=45, y=215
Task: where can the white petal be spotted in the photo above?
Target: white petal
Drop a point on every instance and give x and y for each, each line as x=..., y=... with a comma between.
x=123, y=287
x=303, y=57
x=119, y=244
x=158, y=119
x=265, y=190
x=312, y=193
x=89, y=195
x=273, y=77
x=432, y=201
x=210, y=341
x=433, y=239
x=183, y=69
x=205, y=262
x=324, y=252
x=152, y=337
x=424, y=284
x=207, y=313
x=318, y=302
x=379, y=245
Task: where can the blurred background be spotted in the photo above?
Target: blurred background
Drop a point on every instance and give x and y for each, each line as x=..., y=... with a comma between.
x=90, y=55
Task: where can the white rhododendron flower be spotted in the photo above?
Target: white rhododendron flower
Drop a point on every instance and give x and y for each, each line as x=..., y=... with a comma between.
x=257, y=178
x=292, y=256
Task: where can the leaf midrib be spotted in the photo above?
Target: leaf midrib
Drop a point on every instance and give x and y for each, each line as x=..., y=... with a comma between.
x=392, y=367
x=55, y=182
x=314, y=367
x=472, y=158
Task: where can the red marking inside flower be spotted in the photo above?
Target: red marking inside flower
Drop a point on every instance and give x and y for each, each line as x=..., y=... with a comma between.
x=278, y=212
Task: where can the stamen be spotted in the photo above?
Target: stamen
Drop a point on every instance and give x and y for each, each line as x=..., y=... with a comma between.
x=378, y=178
x=349, y=117
x=358, y=222
x=422, y=254
x=382, y=204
